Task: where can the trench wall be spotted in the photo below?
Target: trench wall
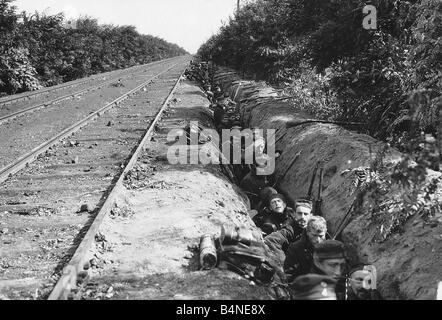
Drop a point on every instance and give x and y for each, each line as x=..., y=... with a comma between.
x=400, y=260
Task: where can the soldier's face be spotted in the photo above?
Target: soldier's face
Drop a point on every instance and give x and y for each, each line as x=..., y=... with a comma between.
x=316, y=236
x=357, y=282
x=277, y=205
x=332, y=267
x=302, y=216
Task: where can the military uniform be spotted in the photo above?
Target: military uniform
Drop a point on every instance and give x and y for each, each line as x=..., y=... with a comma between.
x=279, y=241
x=299, y=258
x=372, y=294
x=269, y=221
x=331, y=249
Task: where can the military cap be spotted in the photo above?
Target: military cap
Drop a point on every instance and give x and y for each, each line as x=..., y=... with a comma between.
x=329, y=249
x=313, y=287
x=304, y=203
x=358, y=267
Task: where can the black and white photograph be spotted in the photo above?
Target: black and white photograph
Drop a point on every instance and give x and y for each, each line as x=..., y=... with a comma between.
x=225, y=156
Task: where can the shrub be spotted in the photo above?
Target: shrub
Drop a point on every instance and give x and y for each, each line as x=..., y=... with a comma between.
x=16, y=72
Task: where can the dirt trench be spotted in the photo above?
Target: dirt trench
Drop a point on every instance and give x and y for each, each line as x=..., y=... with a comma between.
x=147, y=247
x=409, y=264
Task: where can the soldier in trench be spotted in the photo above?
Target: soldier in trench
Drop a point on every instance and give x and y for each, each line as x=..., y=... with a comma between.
x=313, y=287
x=326, y=259
x=299, y=257
x=252, y=184
x=279, y=241
x=221, y=111
x=230, y=116
x=329, y=258
x=361, y=285
x=275, y=215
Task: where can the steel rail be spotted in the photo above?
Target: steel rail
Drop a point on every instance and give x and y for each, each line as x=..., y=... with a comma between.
x=16, y=166
x=77, y=265
x=56, y=100
x=27, y=95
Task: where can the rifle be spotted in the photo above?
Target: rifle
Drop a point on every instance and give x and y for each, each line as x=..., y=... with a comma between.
x=310, y=189
x=318, y=203
x=342, y=224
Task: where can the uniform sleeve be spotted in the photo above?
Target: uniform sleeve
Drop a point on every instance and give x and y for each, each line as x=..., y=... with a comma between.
x=258, y=219
x=281, y=239
x=291, y=265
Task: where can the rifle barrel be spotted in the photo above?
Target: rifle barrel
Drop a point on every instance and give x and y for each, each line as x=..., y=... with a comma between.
x=342, y=225
x=321, y=176
x=310, y=188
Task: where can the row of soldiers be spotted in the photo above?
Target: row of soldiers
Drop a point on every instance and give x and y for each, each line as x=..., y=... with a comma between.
x=314, y=264
x=310, y=259
x=224, y=108
x=309, y=263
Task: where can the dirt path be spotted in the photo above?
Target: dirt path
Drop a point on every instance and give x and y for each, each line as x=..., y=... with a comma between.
x=148, y=249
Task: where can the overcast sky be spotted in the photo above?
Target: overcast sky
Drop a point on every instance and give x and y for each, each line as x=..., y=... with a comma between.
x=188, y=23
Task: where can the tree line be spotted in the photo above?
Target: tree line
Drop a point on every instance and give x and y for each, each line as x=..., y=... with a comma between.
x=389, y=79
x=38, y=50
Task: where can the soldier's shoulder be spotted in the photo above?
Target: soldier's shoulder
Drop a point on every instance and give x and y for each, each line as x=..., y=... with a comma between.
x=298, y=245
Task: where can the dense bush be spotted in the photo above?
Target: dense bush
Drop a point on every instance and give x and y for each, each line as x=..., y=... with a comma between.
x=16, y=72
x=38, y=49
x=390, y=78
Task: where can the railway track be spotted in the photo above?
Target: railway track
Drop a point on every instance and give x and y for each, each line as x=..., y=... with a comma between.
x=17, y=105
x=24, y=135
x=67, y=85
x=53, y=198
